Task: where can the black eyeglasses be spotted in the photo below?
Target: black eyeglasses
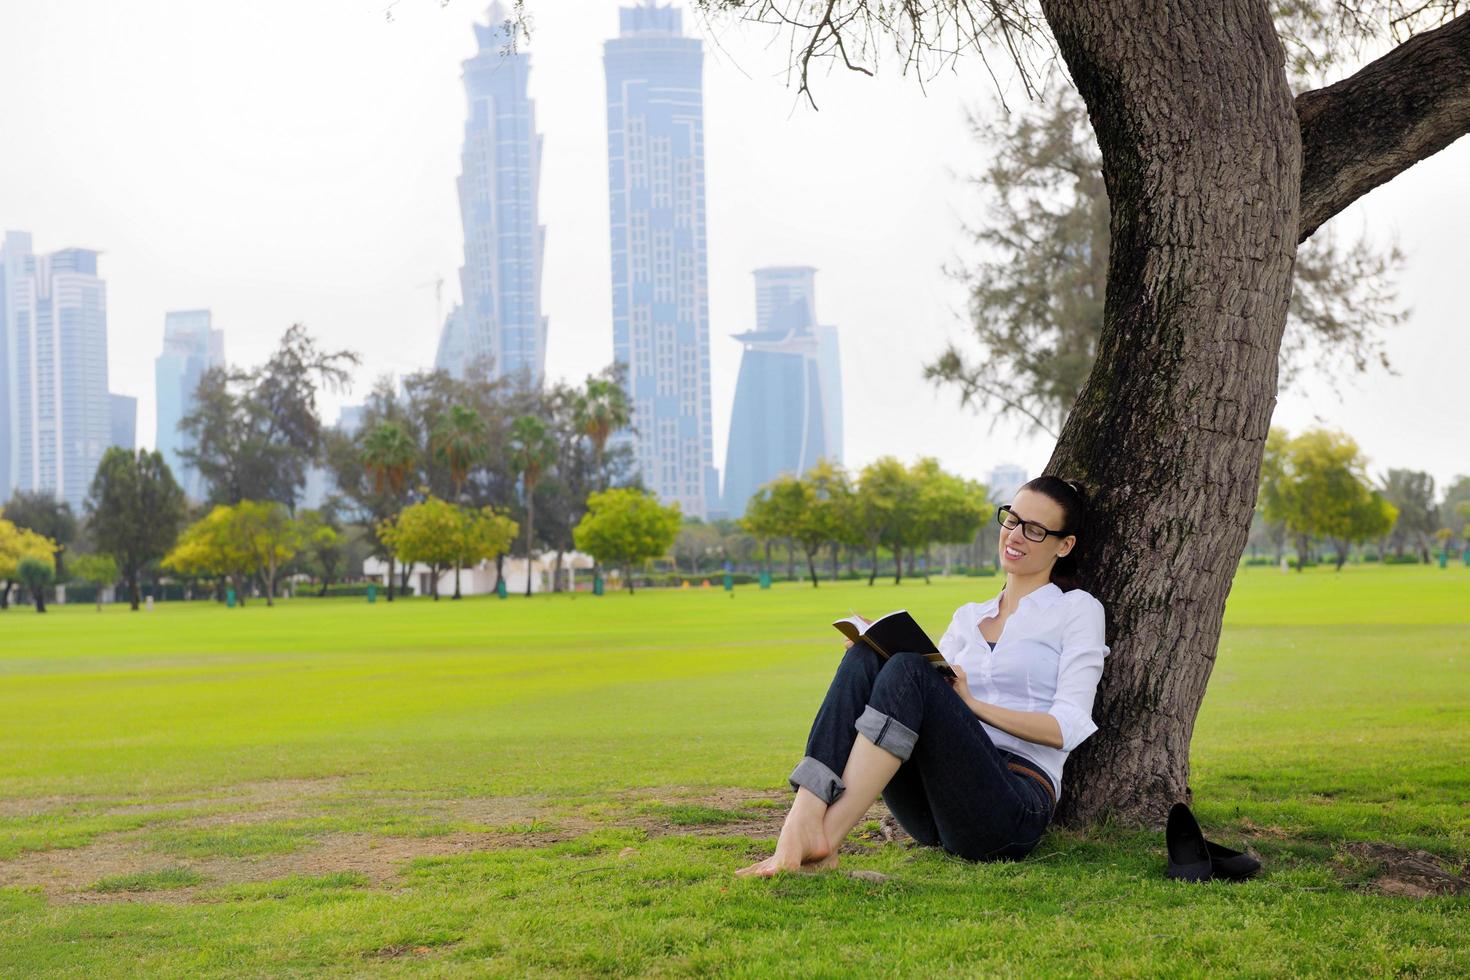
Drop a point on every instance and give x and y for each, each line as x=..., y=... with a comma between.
x=1032, y=530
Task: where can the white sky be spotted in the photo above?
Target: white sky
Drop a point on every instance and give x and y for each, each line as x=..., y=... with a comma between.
x=280, y=161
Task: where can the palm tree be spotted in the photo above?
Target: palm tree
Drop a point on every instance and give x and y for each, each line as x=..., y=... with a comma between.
x=601, y=410
x=532, y=450
x=459, y=442
x=388, y=454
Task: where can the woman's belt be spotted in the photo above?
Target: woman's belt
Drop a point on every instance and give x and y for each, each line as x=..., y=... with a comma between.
x=1040, y=778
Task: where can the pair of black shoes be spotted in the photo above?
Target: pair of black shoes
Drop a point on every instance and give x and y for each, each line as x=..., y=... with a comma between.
x=1192, y=858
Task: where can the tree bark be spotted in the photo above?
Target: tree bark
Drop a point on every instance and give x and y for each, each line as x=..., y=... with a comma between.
x=391, y=571
x=1201, y=158
x=1369, y=128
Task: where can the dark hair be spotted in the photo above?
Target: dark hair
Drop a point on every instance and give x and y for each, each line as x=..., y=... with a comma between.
x=1071, y=496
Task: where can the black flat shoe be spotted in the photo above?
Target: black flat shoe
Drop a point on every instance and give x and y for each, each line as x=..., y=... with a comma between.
x=1189, y=855
x=1227, y=863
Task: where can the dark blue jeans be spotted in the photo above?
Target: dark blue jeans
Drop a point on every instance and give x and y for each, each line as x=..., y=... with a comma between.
x=953, y=789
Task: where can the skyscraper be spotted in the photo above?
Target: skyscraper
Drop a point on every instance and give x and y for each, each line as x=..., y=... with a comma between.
x=788, y=398
x=57, y=415
x=191, y=346
x=500, y=281
x=655, y=132
x=124, y=416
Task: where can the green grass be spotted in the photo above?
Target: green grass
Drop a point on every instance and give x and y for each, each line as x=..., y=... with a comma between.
x=562, y=785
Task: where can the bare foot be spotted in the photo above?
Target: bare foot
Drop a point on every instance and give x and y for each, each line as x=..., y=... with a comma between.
x=802, y=842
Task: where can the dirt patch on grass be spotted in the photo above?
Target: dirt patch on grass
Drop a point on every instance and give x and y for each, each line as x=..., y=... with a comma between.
x=415, y=828
x=1411, y=874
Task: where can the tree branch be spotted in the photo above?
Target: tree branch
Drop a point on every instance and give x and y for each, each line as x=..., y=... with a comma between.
x=1367, y=129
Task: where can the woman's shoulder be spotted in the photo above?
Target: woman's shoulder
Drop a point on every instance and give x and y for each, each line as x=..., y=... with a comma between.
x=1082, y=602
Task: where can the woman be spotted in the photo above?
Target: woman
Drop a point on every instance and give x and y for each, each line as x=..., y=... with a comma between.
x=972, y=765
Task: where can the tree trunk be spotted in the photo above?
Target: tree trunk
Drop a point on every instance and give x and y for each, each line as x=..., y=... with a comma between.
x=836, y=557
x=790, y=560
x=628, y=576
x=530, y=523
x=873, y=572
x=769, y=569
x=5, y=596
x=1202, y=162
x=133, y=590
x=39, y=594
x=897, y=564
x=391, y=570
x=556, y=583
x=456, y=580
x=811, y=565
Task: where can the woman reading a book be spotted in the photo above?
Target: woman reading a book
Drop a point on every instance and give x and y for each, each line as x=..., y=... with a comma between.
x=972, y=764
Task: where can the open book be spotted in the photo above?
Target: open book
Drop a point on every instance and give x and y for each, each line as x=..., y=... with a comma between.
x=897, y=632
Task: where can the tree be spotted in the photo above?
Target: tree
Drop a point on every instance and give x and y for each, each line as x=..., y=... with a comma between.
x=134, y=511
x=41, y=511
x=483, y=534
x=627, y=525
x=323, y=552
x=427, y=532
x=1455, y=507
x=16, y=545
x=253, y=434
x=98, y=571
x=387, y=454
x=1319, y=488
x=602, y=408
x=887, y=507
x=459, y=442
x=213, y=547
x=532, y=451
x=1037, y=306
x=1214, y=172
x=950, y=509
x=266, y=531
x=1412, y=493
x=35, y=574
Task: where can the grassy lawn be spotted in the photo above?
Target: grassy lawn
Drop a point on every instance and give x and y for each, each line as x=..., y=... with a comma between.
x=564, y=784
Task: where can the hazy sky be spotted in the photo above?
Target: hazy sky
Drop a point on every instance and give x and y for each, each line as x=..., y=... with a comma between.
x=280, y=161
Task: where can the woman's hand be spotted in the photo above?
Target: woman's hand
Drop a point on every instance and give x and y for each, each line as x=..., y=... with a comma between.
x=960, y=683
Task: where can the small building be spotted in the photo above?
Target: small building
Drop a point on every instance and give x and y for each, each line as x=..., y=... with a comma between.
x=480, y=579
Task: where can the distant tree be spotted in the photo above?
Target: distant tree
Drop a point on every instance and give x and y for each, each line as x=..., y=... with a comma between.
x=772, y=512
x=627, y=525
x=253, y=434
x=134, y=511
x=695, y=542
x=887, y=506
x=602, y=408
x=1454, y=509
x=1412, y=493
x=268, y=533
x=213, y=548
x=35, y=574
x=41, y=511
x=1037, y=306
x=98, y=571
x=1318, y=488
x=459, y=442
x=323, y=552
x=950, y=509
x=16, y=545
x=427, y=532
x=533, y=452
x=483, y=534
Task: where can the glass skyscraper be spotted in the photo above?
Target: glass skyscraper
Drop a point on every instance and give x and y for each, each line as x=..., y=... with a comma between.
x=788, y=398
x=500, y=282
x=655, y=135
x=191, y=346
x=53, y=371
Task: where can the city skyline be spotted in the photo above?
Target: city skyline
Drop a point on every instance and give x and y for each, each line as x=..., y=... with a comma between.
x=243, y=197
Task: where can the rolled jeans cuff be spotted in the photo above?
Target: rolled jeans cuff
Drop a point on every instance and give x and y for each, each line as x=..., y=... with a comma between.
x=887, y=732
x=816, y=776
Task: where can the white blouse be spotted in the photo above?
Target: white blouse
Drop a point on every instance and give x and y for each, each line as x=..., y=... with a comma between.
x=1049, y=658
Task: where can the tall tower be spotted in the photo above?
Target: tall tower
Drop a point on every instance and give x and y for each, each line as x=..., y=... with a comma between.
x=500, y=281
x=655, y=135
x=788, y=398
x=191, y=346
x=53, y=315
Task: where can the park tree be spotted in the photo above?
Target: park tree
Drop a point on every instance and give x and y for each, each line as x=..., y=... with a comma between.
x=324, y=545
x=887, y=507
x=134, y=511
x=772, y=514
x=533, y=452
x=626, y=525
x=458, y=441
x=98, y=571
x=1412, y=494
x=43, y=512
x=1319, y=488
x=266, y=531
x=950, y=508
x=372, y=470
x=1454, y=509
x=16, y=545
x=428, y=532
x=483, y=534
x=602, y=408
x=213, y=548
x=36, y=574
x=253, y=433
x=696, y=541
x=1036, y=304
x=1215, y=171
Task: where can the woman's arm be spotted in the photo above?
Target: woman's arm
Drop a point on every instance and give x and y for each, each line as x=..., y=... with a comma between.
x=1033, y=726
